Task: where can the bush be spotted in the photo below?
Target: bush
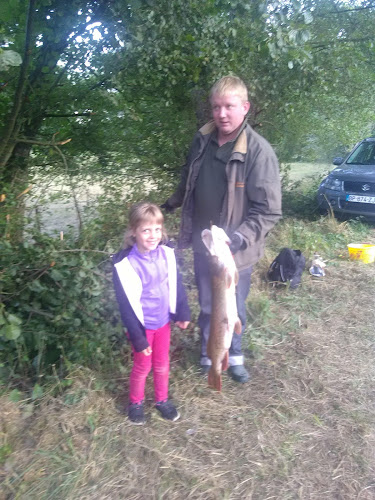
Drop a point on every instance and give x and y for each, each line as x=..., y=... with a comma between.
x=300, y=198
x=57, y=306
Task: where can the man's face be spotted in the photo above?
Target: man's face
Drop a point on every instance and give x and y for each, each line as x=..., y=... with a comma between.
x=228, y=112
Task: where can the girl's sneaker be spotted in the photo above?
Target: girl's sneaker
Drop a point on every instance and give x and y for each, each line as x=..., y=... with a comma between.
x=136, y=414
x=167, y=410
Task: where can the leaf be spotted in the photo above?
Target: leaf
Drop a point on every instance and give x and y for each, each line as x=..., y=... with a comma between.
x=293, y=34
x=308, y=17
x=12, y=318
x=36, y=286
x=9, y=58
x=37, y=392
x=15, y=396
x=56, y=275
x=11, y=332
x=305, y=35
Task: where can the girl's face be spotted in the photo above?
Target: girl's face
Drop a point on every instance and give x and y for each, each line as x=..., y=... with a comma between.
x=148, y=236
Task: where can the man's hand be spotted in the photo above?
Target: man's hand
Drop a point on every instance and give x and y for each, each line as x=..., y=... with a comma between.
x=236, y=243
x=166, y=206
x=182, y=324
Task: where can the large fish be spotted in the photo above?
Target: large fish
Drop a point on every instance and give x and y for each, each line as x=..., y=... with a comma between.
x=224, y=318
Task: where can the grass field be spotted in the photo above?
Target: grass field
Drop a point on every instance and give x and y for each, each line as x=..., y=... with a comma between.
x=299, y=171
x=302, y=428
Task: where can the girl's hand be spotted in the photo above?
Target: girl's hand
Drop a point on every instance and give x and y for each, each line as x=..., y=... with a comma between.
x=147, y=351
x=182, y=324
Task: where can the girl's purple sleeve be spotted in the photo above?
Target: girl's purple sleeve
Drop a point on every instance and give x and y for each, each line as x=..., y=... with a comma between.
x=182, y=307
x=135, y=329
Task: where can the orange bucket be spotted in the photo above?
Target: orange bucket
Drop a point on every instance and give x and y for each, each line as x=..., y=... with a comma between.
x=362, y=251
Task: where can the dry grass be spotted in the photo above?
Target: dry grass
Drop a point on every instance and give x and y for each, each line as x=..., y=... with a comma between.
x=303, y=428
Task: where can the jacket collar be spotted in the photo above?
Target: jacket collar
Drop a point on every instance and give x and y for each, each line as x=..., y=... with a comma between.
x=240, y=145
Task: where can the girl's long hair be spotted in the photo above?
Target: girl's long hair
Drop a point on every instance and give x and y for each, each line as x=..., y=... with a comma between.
x=142, y=213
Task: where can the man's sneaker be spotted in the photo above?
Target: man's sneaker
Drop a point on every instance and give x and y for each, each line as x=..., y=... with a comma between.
x=238, y=373
x=136, y=414
x=167, y=410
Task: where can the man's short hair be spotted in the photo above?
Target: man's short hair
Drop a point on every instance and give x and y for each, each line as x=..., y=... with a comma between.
x=230, y=85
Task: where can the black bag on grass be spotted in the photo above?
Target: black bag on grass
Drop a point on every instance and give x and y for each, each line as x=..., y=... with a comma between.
x=287, y=266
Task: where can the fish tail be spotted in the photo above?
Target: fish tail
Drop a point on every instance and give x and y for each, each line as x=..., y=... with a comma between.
x=238, y=326
x=214, y=379
x=225, y=362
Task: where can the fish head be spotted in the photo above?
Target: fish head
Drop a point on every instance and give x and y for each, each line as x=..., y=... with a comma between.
x=217, y=243
x=216, y=240
x=206, y=236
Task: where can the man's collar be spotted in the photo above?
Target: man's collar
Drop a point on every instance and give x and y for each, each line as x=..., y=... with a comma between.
x=210, y=127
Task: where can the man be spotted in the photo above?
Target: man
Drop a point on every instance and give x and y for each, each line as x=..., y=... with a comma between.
x=230, y=179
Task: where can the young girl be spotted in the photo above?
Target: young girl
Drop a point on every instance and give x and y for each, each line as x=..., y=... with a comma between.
x=150, y=293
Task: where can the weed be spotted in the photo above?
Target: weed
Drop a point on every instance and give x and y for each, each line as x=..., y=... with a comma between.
x=5, y=452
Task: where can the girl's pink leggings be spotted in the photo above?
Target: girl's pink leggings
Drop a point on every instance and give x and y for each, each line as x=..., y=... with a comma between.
x=158, y=360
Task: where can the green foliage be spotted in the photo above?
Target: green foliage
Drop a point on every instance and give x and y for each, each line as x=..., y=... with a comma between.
x=37, y=392
x=57, y=303
x=9, y=325
x=130, y=79
x=259, y=310
x=57, y=308
x=299, y=198
x=5, y=451
x=325, y=235
x=328, y=46
x=15, y=396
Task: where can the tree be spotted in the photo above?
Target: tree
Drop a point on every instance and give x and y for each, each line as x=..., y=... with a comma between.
x=54, y=51
x=323, y=51
x=144, y=80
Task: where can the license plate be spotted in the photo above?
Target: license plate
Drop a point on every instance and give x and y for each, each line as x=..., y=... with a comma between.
x=360, y=199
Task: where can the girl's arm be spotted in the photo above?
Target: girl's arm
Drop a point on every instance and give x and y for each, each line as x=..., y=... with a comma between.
x=136, y=331
x=182, y=316
x=147, y=351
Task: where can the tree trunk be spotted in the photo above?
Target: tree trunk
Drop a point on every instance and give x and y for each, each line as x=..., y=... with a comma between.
x=12, y=124
x=12, y=212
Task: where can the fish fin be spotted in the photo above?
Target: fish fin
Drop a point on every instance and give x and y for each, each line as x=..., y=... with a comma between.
x=228, y=280
x=238, y=326
x=236, y=277
x=214, y=379
x=225, y=362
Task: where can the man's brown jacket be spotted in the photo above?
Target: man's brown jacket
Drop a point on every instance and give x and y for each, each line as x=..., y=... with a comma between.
x=252, y=204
